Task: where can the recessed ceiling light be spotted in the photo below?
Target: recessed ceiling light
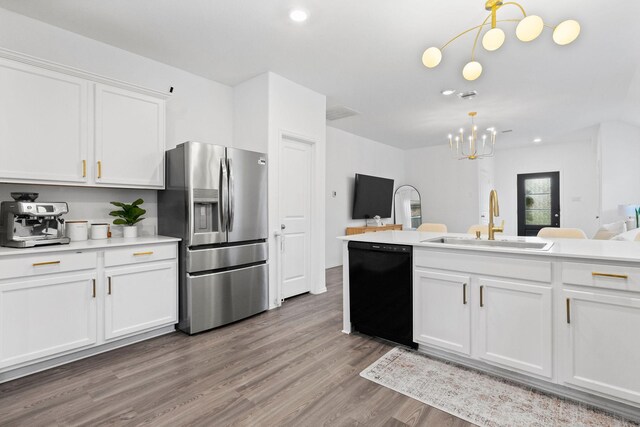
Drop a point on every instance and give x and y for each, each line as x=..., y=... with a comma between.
x=447, y=92
x=298, y=15
x=537, y=140
x=491, y=129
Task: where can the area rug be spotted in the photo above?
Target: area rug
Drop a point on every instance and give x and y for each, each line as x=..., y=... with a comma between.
x=479, y=398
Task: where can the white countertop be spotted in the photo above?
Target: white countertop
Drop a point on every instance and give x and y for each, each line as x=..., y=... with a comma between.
x=113, y=242
x=604, y=250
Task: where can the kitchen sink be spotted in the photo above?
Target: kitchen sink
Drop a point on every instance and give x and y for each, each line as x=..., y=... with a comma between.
x=504, y=243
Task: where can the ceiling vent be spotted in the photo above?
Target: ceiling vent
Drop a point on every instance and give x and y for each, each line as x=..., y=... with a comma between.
x=468, y=95
x=340, y=112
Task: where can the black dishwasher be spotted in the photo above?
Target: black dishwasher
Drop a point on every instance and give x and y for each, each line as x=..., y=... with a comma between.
x=380, y=291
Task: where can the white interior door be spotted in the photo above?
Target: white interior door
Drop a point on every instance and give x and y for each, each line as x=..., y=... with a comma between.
x=295, y=216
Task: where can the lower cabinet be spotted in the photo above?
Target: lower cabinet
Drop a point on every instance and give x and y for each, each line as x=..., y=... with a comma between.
x=47, y=316
x=139, y=297
x=601, y=348
x=441, y=310
x=56, y=312
x=515, y=325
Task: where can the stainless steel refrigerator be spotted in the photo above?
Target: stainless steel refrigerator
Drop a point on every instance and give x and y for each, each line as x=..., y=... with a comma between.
x=215, y=200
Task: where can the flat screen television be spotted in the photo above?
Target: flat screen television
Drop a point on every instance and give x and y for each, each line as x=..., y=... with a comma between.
x=372, y=196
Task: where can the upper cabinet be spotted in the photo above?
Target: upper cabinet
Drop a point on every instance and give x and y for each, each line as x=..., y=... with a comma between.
x=44, y=130
x=62, y=126
x=129, y=138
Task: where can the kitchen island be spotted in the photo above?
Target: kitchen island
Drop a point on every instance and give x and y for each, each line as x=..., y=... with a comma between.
x=559, y=315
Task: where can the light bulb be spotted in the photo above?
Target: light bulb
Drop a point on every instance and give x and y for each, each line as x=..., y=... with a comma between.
x=493, y=39
x=529, y=28
x=566, y=32
x=472, y=70
x=432, y=57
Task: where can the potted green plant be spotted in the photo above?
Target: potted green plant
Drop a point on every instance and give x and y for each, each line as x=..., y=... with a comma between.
x=128, y=217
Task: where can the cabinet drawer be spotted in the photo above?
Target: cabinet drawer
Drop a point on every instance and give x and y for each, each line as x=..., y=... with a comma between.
x=138, y=254
x=47, y=263
x=493, y=265
x=603, y=276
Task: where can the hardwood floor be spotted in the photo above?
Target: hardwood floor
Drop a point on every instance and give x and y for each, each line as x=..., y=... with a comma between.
x=289, y=366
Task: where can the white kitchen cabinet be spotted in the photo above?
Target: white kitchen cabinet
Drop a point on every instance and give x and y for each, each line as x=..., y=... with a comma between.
x=515, y=325
x=129, y=138
x=61, y=303
x=600, y=342
x=59, y=125
x=43, y=125
x=441, y=310
x=140, y=297
x=47, y=316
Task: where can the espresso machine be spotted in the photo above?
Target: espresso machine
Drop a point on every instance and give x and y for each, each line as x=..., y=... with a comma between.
x=25, y=223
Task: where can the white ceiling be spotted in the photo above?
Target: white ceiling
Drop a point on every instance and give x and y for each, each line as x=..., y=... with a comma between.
x=365, y=54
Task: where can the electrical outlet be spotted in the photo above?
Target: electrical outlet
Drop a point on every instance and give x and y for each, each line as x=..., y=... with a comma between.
x=334, y=194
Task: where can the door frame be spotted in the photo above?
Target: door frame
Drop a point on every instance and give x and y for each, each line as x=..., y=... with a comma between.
x=555, y=183
x=316, y=285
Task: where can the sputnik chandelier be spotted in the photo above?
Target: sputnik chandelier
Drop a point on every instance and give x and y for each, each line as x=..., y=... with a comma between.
x=528, y=29
x=473, y=147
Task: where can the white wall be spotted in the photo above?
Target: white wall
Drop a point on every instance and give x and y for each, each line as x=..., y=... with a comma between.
x=619, y=149
x=266, y=107
x=448, y=187
x=199, y=109
x=579, y=181
x=298, y=111
x=348, y=154
x=251, y=114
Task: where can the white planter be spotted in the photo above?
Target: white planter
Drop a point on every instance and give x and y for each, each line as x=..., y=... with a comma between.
x=130, y=231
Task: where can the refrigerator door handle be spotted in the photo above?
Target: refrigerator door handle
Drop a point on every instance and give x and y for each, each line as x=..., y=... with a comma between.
x=224, y=205
x=232, y=207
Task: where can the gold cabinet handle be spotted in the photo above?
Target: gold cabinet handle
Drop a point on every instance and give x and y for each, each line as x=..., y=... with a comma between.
x=109, y=285
x=464, y=293
x=99, y=169
x=481, y=296
x=614, y=276
x=45, y=263
x=94, y=287
x=568, y=310
x=143, y=253
x=84, y=168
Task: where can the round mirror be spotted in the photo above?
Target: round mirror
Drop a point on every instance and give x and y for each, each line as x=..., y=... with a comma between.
x=407, y=207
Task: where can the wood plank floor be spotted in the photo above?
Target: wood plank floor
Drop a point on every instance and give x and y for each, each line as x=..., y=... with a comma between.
x=286, y=367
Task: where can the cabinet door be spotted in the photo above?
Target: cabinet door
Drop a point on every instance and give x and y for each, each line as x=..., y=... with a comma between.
x=40, y=318
x=516, y=325
x=43, y=125
x=140, y=297
x=441, y=310
x=129, y=138
x=601, y=345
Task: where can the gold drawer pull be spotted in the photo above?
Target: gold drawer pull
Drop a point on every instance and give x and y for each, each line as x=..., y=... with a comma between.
x=84, y=168
x=615, y=276
x=99, y=169
x=568, y=310
x=93, y=281
x=143, y=253
x=45, y=263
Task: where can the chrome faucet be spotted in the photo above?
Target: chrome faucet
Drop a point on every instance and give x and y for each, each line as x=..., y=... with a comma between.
x=494, y=210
